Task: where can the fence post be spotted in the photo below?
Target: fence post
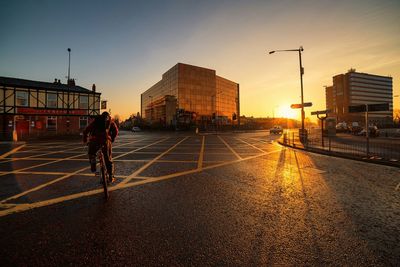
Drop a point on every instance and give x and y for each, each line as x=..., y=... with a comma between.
x=329, y=141
x=293, y=139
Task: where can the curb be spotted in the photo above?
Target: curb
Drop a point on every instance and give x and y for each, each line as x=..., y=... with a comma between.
x=344, y=156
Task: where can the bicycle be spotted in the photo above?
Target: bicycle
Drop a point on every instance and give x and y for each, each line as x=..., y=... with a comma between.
x=103, y=172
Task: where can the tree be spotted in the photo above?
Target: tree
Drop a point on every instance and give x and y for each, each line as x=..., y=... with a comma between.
x=117, y=119
x=396, y=116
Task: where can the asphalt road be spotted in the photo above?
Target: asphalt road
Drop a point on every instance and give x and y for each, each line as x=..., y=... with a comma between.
x=187, y=200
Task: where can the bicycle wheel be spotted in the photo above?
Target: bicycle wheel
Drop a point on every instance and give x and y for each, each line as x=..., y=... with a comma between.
x=103, y=173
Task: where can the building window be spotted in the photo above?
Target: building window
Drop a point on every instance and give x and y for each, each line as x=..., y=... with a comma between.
x=51, y=100
x=51, y=123
x=22, y=98
x=83, y=122
x=83, y=101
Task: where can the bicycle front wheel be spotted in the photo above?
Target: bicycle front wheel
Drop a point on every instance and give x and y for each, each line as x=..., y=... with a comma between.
x=104, y=178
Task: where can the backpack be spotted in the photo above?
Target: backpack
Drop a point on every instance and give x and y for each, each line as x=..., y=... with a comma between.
x=100, y=127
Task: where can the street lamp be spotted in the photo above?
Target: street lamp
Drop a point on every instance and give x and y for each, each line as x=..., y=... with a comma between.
x=69, y=63
x=299, y=50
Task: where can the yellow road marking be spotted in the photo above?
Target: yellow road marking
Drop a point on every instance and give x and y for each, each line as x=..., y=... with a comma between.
x=55, y=161
x=58, y=179
x=230, y=148
x=259, y=149
x=24, y=207
x=11, y=152
x=43, y=154
x=201, y=155
x=151, y=162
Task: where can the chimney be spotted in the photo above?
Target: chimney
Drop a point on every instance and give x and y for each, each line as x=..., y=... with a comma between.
x=94, y=88
x=55, y=81
x=71, y=82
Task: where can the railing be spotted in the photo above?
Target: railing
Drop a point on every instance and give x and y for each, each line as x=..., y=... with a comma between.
x=386, y=149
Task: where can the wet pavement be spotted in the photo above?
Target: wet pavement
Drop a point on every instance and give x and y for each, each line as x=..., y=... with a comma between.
x=196, y=200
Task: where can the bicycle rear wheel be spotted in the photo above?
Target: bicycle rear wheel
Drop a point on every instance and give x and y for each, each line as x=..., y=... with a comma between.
x=103, y=173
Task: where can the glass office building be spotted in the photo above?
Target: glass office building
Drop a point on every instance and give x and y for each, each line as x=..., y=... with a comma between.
x=191, y=95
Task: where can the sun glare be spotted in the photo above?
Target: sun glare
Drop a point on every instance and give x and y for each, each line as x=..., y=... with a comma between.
x=285, y=111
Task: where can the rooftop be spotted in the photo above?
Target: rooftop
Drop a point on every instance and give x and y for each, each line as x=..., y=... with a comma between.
x=55, y=86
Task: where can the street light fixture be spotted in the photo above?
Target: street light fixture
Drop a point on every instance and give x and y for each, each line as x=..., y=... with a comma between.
x=299, y=50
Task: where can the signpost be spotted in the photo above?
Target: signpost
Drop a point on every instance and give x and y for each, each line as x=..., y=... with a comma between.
x=321, y=112
x=307, y=104
x=367, y=108
x=302, y=131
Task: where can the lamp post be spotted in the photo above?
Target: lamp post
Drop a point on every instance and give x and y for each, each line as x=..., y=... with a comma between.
x=69, y=63
x=299, y=50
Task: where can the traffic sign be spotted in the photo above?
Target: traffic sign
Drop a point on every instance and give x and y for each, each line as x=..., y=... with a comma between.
x=307, y=104
x=321, y=112
x=371, y=107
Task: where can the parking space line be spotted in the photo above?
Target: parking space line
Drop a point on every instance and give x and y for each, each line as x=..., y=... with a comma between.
x=151, y=162
x=11, y=151
x=201, y=155
x=230, y=148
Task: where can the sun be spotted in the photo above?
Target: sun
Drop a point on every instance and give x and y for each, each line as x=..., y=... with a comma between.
x=284, y=111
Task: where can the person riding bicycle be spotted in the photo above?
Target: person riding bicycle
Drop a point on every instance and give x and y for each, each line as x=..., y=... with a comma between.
x=102, y=131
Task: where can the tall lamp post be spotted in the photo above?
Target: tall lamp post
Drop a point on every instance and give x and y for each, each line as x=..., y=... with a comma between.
x=69, y=63
x=299, y=50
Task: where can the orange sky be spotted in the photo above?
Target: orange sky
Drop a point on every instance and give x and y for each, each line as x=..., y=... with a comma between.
x=125, y=46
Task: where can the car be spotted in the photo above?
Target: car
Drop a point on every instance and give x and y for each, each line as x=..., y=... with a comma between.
x=276, y=130
x=342, y=127
x=355, y=128
x=136, y=129
x=373, y=131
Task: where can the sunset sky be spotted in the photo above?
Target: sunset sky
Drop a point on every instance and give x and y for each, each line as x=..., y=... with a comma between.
x=125, y=46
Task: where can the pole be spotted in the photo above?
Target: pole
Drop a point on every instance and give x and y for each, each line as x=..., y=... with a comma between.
x=322, y=132
x=302, y=96
x=69, y=63
x=367, y=127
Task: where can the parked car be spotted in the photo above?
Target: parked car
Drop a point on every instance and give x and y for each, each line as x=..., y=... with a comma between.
x=136, y=129
x=373, y=131
x=276, y=130
x=355, y=128
x=342, y=127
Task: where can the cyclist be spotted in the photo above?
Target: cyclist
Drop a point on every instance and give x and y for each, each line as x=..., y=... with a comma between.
x=102, y=131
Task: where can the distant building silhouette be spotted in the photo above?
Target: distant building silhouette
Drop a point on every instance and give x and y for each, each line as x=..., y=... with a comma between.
x=355, y=88
x=191, y=95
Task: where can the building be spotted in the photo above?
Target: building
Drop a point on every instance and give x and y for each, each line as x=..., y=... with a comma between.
x=191, y=95
x=355, y=88
x=32, y=108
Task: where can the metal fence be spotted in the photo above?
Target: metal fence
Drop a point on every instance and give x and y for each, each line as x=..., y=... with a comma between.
x=380, y=149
